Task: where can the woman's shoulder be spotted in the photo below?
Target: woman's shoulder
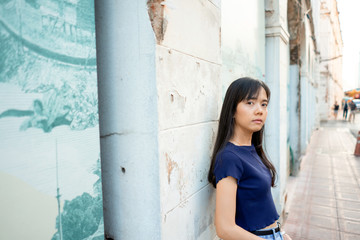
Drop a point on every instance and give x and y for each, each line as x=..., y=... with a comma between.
x=228, y=163
x=233, y=152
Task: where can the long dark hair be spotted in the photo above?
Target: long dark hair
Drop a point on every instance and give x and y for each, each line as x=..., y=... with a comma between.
x=239, y=90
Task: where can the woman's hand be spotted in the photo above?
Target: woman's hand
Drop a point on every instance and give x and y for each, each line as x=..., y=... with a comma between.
x=286, y=237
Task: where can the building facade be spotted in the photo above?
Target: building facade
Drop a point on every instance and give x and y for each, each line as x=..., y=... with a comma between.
x=331, y=49
x=163, y=69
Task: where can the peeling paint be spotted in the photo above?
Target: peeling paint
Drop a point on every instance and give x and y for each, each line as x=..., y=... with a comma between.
x=294, y=13
x=179, y=99
x=157, y=18
x=170, y=166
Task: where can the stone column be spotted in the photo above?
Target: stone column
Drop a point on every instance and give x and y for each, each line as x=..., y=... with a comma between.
x=126, y=50
x=294, y=118
x=276, y=69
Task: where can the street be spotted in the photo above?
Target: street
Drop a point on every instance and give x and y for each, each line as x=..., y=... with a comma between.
x=324, y=199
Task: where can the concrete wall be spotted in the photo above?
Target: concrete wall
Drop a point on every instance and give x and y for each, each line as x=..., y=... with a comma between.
x=128, y=106
x=242, y=40
x=188, y=64
x=159, y=94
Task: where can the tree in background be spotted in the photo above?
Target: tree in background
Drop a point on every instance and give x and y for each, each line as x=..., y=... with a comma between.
x=83, y=216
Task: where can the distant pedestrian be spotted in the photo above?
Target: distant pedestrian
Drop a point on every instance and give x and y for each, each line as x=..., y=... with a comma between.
x=352, y=111
x=336, y=109
x=345, y=110
x=240, y=171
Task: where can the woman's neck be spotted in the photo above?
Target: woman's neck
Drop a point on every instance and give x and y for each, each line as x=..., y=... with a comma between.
x=241, y=138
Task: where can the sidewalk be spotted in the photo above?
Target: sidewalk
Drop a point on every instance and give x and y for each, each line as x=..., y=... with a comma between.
x=324, y=199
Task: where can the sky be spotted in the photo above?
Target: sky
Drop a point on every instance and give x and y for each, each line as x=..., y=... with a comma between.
x=349, y=19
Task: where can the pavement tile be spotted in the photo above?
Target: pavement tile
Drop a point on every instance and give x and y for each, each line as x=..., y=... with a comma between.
x=322, y=188
x=329, y=188
x=325, y=202
x=293, y=230
x=321, y=181
x=299, y=197
x=323, y=221
x=347, y=189
x=297, y=215
x=322, y=175
x=349, y=236
x=301, y=187
x=353, y=215
x=299, y=207
x=346, y=185
x=341, y=166
x=321, y=169
x=354, y=165
x=349, y=226
x=330, y=202
x=342, y=174
x=350, y=205
x=321, y=192
x=348, y=180
x=318, y=233
x=348, y=196
x=356, y=172
x=320, y=185
x=323, y=211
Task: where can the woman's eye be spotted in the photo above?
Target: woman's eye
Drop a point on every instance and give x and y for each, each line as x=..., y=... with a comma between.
x=264, y=104
x=250, y=103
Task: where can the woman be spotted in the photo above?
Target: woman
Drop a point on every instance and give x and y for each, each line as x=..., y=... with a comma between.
x=240, y=170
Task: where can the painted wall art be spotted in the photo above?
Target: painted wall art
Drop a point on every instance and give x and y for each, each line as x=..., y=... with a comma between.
x=50, y=178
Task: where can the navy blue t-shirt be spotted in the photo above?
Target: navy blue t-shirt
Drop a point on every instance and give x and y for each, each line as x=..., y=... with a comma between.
x=255, y=208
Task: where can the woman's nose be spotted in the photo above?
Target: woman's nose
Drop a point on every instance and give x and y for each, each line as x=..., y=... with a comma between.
x=259, y=109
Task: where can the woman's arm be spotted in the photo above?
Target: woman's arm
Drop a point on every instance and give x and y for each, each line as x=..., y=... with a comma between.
x=226, y=227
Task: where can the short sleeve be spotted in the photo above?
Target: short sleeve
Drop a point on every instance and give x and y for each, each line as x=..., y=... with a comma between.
x=228, y=164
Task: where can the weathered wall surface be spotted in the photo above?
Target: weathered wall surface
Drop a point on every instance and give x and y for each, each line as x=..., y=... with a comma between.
x=303, y=20
x=242, y=40
x=186, y=54
x=188, y=81
x=276, y=72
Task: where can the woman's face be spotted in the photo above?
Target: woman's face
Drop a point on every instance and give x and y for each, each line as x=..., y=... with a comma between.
x=251, y=114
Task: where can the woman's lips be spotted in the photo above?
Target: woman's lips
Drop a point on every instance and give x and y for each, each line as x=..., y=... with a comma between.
x=257, y=121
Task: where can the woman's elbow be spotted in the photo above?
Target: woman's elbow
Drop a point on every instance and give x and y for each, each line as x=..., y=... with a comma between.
x=222, y=231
